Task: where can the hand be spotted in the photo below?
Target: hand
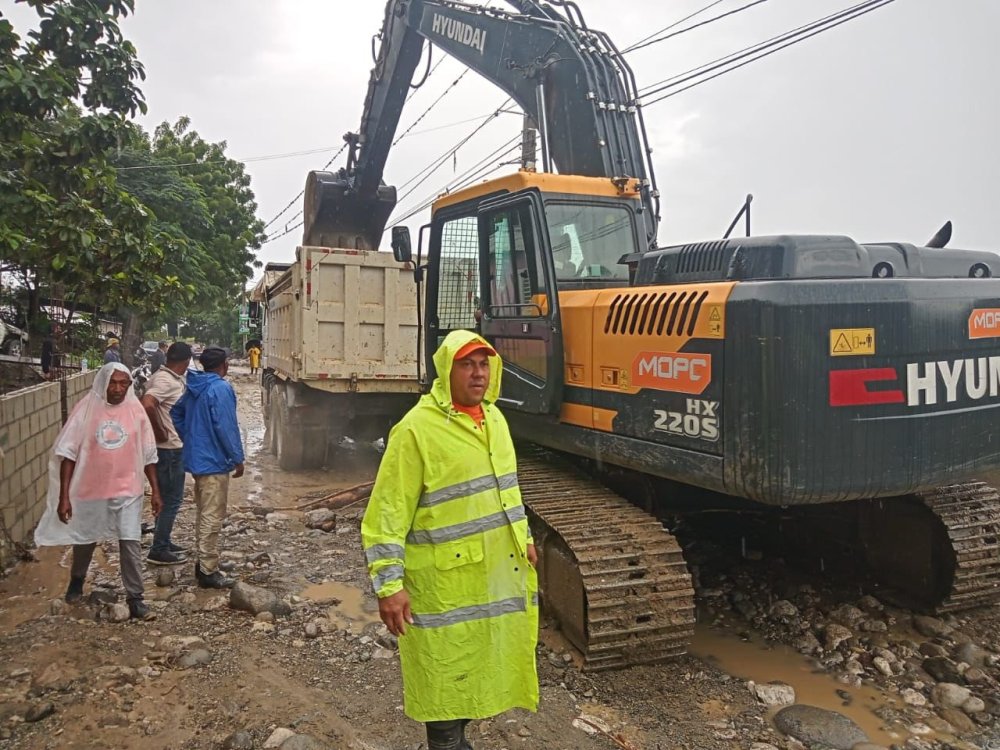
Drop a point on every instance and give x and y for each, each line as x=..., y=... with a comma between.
x=532, y=555
x=64, y=510
x=395, y=612
x=238, y=472
x=156, y=503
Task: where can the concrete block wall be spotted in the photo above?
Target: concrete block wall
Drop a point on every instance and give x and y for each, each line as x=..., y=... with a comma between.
x=30, y=420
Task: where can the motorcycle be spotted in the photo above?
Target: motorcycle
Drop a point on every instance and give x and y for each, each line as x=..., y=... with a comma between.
x=140, y=373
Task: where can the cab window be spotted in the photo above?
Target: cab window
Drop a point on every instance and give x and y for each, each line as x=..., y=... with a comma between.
x=587, y=240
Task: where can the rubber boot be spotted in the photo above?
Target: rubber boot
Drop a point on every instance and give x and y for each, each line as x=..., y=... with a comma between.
x=445, y=735
x=74, y=592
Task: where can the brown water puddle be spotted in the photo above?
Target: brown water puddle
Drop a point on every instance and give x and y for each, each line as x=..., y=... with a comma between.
x=763, y=663
x=350, y=608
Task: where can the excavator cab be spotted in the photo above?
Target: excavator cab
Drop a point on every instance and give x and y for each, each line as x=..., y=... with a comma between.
x=504, y=257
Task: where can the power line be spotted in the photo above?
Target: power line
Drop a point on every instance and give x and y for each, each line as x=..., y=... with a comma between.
x=686, y=29
x=757, y=51
x=267, y=157
x=688, y=17
x=433, y=104
x=288, y=230
x=303, y=192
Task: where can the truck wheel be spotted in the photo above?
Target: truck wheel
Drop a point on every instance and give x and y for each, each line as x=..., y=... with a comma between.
x=287, y=439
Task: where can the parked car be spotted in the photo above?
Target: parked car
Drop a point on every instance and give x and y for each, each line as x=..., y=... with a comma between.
x=13, y=341
x=150, y=347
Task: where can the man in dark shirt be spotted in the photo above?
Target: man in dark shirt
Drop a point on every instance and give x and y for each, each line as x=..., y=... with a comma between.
x=159, y=357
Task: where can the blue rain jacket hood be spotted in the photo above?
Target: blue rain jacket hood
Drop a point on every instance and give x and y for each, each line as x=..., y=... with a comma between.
x=205, y=418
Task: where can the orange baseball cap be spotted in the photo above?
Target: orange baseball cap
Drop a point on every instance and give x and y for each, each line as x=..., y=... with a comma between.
x=474, y=346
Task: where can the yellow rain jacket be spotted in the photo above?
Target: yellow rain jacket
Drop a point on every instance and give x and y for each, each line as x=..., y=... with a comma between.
x=446, y=523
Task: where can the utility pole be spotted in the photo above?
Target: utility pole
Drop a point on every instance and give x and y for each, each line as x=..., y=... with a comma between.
x=529, y=141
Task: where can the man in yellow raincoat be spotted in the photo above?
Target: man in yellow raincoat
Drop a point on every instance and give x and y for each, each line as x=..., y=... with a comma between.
x=450, y=553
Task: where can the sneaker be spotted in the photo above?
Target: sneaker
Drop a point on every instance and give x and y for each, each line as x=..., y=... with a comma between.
x=165, y=558
x=214, y=580
x=139, y=610
x=177, y=548
x=227, y=566
x=147, y=528
x=74, y=592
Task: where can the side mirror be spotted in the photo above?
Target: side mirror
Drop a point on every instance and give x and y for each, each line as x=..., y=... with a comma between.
x=401, y=249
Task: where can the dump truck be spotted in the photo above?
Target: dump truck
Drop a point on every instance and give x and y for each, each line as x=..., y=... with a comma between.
x=339, y=345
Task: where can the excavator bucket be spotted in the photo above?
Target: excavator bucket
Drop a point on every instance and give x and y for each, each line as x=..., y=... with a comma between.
x=336, y=216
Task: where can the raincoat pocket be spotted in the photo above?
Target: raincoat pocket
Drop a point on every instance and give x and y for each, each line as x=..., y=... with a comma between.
x=458, y=553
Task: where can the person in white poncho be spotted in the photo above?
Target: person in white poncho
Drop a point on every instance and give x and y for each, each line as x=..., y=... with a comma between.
x=96, y=482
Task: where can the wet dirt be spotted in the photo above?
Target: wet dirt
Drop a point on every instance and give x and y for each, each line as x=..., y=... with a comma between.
x=117, y=685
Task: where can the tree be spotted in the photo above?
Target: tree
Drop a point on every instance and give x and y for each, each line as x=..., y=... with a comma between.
x=65, y=95
x=202, y=202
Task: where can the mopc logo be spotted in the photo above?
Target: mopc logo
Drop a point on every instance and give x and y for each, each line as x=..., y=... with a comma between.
x=984, y=323
x=674, y=371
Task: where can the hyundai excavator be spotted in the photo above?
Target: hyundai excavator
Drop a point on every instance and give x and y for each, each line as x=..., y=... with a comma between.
x=778, y=371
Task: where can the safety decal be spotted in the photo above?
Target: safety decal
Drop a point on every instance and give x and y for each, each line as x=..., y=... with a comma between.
x=715, y=327
x=984, y=323
x=851, y=342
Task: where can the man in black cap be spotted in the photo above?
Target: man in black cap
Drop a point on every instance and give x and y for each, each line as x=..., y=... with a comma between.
x=206, y=421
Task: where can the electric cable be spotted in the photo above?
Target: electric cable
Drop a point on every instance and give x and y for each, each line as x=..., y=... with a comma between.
x=266, y=157
x=673, y=25
x=287, y=230
x=649, y=42
x=433, y=104
x=303, y=192
x=767, y=47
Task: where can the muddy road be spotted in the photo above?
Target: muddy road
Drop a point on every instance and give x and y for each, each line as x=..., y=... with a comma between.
x=324, y=673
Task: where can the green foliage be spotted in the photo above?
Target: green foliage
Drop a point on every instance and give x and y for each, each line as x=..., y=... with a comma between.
x=65, y=93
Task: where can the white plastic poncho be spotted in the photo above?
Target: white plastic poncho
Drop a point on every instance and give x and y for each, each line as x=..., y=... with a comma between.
x=111, y=445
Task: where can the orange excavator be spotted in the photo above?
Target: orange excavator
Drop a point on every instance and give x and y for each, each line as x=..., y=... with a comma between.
x=790, y=371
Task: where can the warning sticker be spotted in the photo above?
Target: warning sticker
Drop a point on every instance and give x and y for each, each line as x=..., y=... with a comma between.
x=847, y=342
x=984, y=323
x=715, y=327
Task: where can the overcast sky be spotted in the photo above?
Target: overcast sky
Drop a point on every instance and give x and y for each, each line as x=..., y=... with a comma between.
x=882, y=128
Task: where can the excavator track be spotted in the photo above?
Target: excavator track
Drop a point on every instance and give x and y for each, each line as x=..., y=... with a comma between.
x=937, y=550
x=611, y=575
x=970, y=514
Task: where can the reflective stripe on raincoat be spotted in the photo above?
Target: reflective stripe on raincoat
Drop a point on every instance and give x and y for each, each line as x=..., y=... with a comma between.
x=446, y=523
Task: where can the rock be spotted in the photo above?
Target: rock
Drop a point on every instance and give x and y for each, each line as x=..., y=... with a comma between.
x=932, y=649
x=913, y=698
x=973, y=705
x=262, y=627
x=277, y=518
x=847, y=615
x=39, y=711
x=942, y=669
x=260, y=558
x=238, y=741
x=278, y=736
x=834, y=635
x=873, y=626
x=195, y=658
x=215, y=603
x=383, y=653
x=58, y=607
x=931, y=627
x=253, y=599
x=807, y=644
x=311, y=630
x=118, y=612
x=949, y=695
x=166, y=577
x=264, y=617
x=870, y=604
x=387, y=639
x=883, y=666
x=55, y=677
x=773, y=693
x=783, y=610
x=958, y=720
x=818, y=726
x=868, y=746
x=591, y=724
x=762, y=746
x=316, y=518
x=175, y=644
x=973, y=655
x=974, y=676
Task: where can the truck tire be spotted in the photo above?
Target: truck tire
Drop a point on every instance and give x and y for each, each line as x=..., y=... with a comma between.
x=296, y=446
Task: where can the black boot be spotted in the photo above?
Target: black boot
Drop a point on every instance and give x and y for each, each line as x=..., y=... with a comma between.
x=212, y=580
x=74, y=592
x=445, y=735
x=139, y=610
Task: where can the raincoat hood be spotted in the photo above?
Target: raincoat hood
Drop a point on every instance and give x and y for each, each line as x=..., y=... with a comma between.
x=445, y=356
x=99, y=390
x=198, y=382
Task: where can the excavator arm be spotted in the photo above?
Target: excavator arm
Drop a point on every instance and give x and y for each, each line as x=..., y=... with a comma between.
x=568, y=78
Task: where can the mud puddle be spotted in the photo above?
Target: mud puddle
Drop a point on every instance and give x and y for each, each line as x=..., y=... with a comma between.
x=763, y=663
x=349, y=608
